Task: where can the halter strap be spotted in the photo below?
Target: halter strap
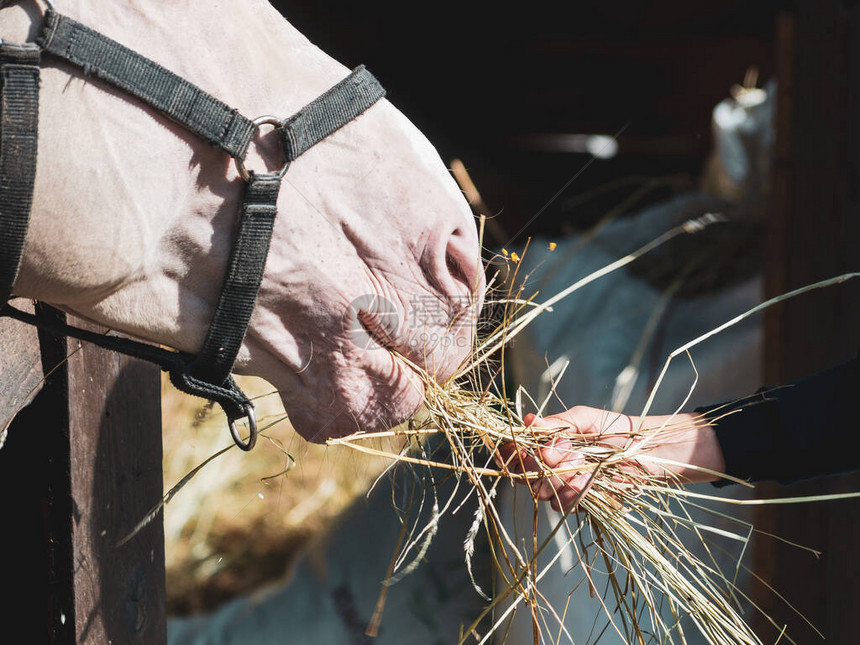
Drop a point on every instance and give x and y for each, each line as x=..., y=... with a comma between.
x=324, y=115
x=208, y=374
x=19, y=120
x=184, y=102
x=242, y=282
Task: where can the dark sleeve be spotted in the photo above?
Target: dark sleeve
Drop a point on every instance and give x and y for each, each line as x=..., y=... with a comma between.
x=804, y=429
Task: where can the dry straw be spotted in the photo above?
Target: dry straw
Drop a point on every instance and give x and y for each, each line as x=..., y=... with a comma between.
x=637, y=538
x=641, y=545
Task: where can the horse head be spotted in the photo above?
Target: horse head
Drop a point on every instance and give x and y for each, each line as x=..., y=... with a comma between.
x=374, y=257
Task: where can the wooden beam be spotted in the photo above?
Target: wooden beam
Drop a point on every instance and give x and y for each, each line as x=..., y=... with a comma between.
x=116, y=476
x=20, y=366
x=86, y=456
x=813, y=233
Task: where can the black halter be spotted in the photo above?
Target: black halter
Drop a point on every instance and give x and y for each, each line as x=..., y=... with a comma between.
x=208, y=374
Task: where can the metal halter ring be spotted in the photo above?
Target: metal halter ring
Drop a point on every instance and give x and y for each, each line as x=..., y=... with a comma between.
x=244, y=173
x=48, y=3
x=252, y=426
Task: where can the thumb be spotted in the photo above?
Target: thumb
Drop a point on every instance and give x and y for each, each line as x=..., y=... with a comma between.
x=557, y=422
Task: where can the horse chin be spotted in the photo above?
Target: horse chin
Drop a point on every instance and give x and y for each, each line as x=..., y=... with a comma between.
x=373, y=387
x=372, y=399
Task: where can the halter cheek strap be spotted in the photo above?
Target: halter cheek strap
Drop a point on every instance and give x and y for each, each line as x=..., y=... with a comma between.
x=19, y=119
x=208, y=374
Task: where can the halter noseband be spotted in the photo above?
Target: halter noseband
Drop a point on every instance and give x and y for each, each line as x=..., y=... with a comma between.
x=208, y=374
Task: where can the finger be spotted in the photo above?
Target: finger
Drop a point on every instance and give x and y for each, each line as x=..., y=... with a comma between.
x=505, y=452
x=544, y=488
x=557, y=455
x=589, y=421
x=567, y=500
x=566, y=486
x=560, y=451
x=554, y=424
x=569, y=495
x=518, y=460
x=515, y=456
x=544, y=423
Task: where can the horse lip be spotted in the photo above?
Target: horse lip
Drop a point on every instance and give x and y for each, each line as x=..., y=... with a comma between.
x=381, y=329
x=370, y=322
x=392, y=340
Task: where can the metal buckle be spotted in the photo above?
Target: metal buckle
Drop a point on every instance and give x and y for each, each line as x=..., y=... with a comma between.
x=4, y=3
x=244, y=173
x=252, y=425
x=48, y=3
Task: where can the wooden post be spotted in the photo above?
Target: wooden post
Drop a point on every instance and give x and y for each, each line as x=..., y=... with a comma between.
x=81, y=467
x=814, y=233
x=20, y=367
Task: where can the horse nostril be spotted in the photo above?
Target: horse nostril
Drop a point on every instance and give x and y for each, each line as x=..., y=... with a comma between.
x=456, y=269
x=463, y=260
x=452, y=265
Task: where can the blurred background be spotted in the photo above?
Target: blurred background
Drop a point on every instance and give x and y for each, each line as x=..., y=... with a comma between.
x=504, y=87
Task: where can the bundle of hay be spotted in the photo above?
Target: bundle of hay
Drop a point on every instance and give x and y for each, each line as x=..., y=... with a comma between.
x=635, y=534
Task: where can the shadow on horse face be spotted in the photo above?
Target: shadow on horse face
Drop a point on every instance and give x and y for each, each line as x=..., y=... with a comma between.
x=374, y=254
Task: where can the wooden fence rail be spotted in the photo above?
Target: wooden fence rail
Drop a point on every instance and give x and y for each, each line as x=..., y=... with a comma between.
x=81, y=466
